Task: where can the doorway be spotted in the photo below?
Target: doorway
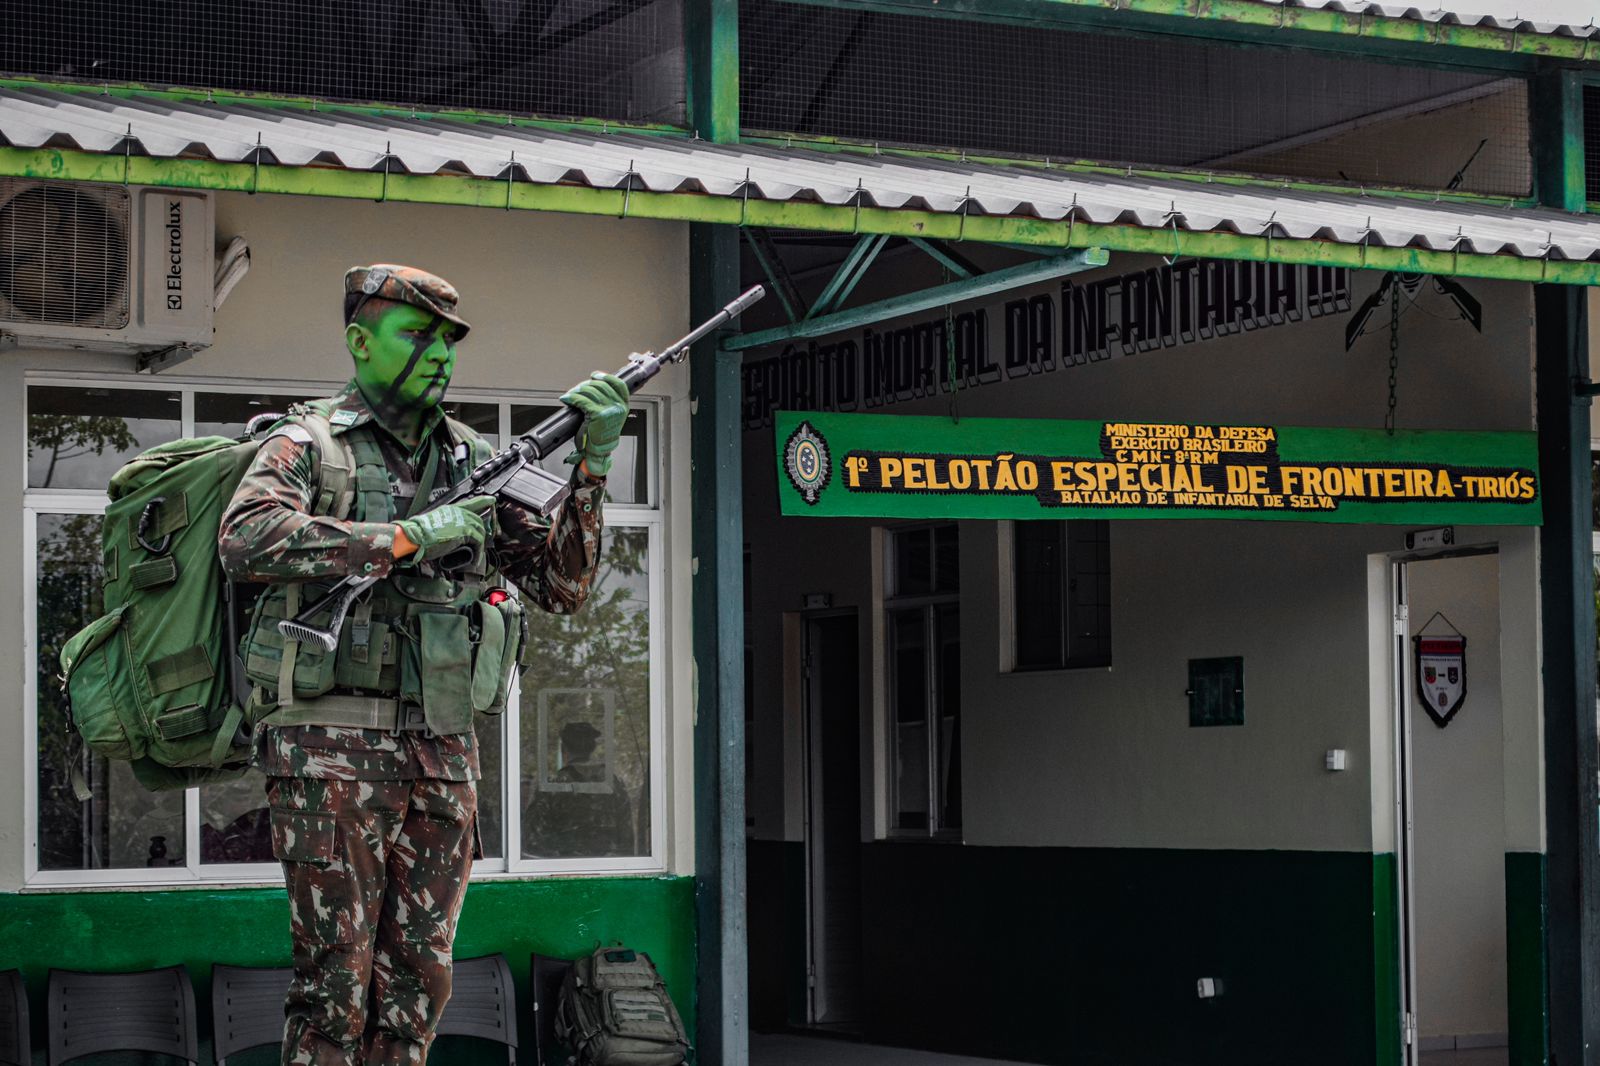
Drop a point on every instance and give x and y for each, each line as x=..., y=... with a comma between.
x=1451, y=810
x=832, y=685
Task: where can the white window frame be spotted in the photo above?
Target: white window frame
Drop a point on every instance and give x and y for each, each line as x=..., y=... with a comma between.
x=927, y=604
x=649, y=515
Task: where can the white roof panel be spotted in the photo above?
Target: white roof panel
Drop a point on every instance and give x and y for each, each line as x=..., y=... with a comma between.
x=294, y=136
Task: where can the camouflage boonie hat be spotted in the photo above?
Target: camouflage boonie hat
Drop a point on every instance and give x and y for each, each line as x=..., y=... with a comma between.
x=407, y=285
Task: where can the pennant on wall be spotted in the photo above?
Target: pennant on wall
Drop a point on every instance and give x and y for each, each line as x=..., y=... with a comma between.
x=1441, y=673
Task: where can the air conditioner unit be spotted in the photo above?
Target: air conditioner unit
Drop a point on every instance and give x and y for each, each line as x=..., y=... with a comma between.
x=105, y=268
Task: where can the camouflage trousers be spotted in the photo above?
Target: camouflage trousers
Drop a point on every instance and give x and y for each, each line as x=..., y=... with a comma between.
x=376, y=872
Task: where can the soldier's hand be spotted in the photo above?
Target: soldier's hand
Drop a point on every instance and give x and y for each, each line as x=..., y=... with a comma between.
x=455, y=527
x=603, y=399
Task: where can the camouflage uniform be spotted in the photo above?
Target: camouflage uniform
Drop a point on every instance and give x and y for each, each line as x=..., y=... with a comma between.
x=375, y=828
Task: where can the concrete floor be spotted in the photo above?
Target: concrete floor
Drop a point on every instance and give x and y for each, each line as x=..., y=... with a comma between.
x=788, y=1049
x=791, y=1049
x=1487, y=1056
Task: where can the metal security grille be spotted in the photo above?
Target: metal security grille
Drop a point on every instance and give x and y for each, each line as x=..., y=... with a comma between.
x=63, y=254
x=613, y=59
x=1591, y=142
x=990, y=87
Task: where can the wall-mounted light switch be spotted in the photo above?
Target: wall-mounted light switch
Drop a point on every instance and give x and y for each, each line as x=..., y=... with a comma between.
x=1335, y=759
x=1208, y=988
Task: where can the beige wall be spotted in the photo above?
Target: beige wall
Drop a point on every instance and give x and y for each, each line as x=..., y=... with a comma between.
x=550, y=297
x=1458, y=794
x=1097, y=757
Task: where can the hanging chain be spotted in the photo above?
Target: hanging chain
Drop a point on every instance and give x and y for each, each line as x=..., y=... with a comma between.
x=1394, y=356
x=950, y=352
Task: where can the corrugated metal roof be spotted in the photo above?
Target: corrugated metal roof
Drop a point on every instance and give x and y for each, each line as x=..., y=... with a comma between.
x=1469, y=15
x=241, y=132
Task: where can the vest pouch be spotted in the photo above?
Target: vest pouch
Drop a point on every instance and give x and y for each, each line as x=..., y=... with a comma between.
x=98, y=673
x=264, y=649
x=444, y=656
x=359, y=661
x=487, y=656
x=511, y=610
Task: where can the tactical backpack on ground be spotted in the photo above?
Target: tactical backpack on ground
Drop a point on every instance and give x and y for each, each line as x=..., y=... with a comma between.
x=614, y=1011
x=156, y=681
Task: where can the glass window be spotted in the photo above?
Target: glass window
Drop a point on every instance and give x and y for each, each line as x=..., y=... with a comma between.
x=78, y=437
x=491, y=760
x=484, y=418
x=924, y=561
x=235, y=824
x=585, y=707
x=121, y=826
x=923, y=629
x=225, y=414
x=1062, y=594
x=629, y=480
x=578, y=755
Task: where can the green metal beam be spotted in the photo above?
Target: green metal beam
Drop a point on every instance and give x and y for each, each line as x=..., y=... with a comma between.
x=711, y=29
x=850, y=271
x=948, y=259
x=722, y=1036
x=1254, y=21
x=846, y=146
x=776, y=214
x=771, y=263
x=1555, y=107
x=921, y=300
x=136, y=91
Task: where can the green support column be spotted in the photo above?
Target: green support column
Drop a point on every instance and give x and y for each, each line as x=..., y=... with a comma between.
x=1566, y=576
x=723, y=1037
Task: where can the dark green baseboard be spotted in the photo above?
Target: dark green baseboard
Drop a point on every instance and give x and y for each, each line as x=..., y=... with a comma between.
x=1527, y=930
x=1388, y=1043
x=134, y=930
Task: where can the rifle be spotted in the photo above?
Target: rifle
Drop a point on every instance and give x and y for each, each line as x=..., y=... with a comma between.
x=511, y=474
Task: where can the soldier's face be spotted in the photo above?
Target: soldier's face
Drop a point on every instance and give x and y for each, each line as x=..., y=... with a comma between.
x=405, y=358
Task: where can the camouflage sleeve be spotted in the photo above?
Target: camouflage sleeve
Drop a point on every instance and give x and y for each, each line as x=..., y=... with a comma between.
x=270, y=534
x=553, y=562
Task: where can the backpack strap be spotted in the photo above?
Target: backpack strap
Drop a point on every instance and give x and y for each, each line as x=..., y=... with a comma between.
x=337, y=464
x=478, y=449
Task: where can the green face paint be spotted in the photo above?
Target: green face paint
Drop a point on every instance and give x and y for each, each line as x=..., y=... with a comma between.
x=404, y=360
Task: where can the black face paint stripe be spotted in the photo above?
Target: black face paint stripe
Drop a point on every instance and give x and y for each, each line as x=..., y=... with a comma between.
x=418, y=346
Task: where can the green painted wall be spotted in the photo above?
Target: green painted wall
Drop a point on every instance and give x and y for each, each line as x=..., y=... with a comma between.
x=1527, y=992
x=1089, y=956
x=134, y=930
x=1386, y=959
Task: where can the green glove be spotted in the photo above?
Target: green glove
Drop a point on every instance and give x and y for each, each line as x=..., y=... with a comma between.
x=453, y=528
x=603, y=399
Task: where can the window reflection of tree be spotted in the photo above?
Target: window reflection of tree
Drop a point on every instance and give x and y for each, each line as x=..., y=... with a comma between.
x=605, y=645
x=120, y=824
x=67, y=437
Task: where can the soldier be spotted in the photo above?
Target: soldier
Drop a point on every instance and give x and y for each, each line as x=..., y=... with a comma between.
x=370, y=757
x=595, y=819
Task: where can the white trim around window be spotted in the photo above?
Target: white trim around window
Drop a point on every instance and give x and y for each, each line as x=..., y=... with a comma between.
x=647, y=515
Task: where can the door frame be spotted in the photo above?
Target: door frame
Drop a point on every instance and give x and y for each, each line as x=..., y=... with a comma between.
x=811, y=815
x=1402, y=708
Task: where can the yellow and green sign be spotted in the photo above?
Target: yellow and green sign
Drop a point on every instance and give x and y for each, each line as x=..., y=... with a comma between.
x=884, y=466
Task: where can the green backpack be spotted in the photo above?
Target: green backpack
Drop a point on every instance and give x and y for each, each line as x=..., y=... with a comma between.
x=156, y=680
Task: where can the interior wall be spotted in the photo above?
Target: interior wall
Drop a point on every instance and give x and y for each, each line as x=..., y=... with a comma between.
x=1458, y=797
x=1106, y=757
x=550, y=298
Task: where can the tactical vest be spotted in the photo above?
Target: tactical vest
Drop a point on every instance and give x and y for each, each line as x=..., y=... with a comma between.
x=423, y=650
